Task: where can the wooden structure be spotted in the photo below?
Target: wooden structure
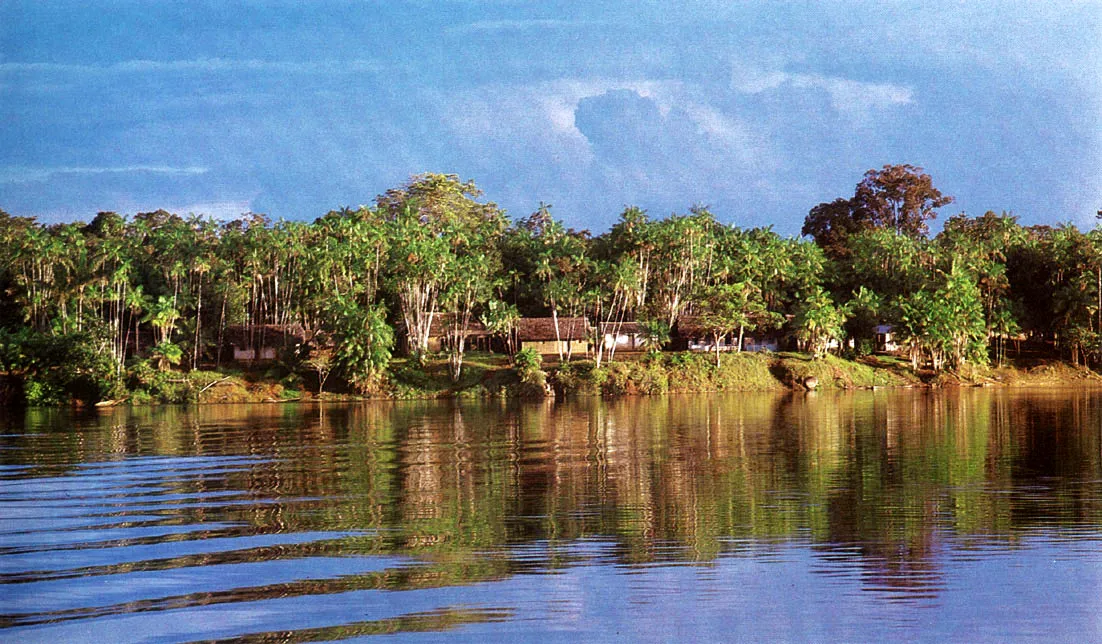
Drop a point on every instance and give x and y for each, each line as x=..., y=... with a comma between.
x=540, y=334
x=689, y=335
x=261, y=342
x=445, y=329
x=885, y=339
x=625, y=336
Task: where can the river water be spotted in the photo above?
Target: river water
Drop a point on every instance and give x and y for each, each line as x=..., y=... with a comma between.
x=972, y=515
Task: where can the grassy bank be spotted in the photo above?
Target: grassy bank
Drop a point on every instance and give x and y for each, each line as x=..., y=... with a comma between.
x=696, y=372
x=494, y=376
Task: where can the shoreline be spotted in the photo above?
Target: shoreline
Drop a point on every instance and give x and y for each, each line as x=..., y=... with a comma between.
x=492, y=376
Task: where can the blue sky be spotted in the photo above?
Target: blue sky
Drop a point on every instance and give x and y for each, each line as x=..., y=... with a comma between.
x=758, y=109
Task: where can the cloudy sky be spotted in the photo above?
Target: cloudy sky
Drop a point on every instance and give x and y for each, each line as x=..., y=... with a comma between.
x=759, y=110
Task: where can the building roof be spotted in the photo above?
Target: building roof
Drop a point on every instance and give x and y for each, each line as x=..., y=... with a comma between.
x=442, y=325
x=625, y=328
x=689, y=326
x=264, y=335
x=543, y=329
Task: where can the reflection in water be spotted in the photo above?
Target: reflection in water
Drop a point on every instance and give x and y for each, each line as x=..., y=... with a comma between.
x=306, y=523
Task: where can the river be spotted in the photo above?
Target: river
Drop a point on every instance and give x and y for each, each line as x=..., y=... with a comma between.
x=970, y=515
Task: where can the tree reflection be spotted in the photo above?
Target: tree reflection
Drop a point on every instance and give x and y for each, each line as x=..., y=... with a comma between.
x=880, y=480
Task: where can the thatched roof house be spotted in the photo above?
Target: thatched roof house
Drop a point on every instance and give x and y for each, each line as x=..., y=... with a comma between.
x=443, y=329
x=540, y=334
x=625, y=336
x=690, y=335
x=262, y=342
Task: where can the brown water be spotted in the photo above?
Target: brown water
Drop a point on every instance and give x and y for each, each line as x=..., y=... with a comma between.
x=970, y=515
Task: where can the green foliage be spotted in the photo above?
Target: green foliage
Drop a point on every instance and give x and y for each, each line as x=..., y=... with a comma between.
x=528, y=365
x=44, y=393
x=364, y=343
x=656, y=333
x=501, y=319
x=166, y=355
x=58, y=369
x=947, y=325
x=579, y=377
x=818, y=322
x=149, y=384
x=80, y=301
x=527, y=361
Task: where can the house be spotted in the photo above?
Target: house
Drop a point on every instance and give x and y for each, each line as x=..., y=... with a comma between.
x=689, y=335
x=625, y=336
x=761, y=342
x=885, y=339
x=445, y=329
x=540, y=334
x=442, y=333
x=262, y=342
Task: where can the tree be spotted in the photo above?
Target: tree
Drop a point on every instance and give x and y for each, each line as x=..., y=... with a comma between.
x=557, y=258
x=981, y=246
x=321, y=361
x=443, y=243
x=364, y=342
x=471, y=285
x=655, y=332
x=946, y=325
x=730, y=307
x=502, y=319
x=899, y=198
x=832, y=224
x=818, y=322
x=166, y=355
x=162, y=314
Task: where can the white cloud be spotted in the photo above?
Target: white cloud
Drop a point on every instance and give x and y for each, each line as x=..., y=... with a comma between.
x=514, y=25
x=849, y=97
x=18, y=174
x=220, y=210
x=544, y=109
x=733, y=133
x=199, y=64
x=539, y=119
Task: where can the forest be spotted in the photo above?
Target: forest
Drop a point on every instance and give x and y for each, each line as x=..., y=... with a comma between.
x=90, y=311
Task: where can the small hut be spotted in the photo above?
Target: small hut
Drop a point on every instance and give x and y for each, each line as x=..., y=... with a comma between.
x=625, y=336
x=261, y=342
x=445, y=330
x=885, y=339
x=689, y=335
x=572, y=336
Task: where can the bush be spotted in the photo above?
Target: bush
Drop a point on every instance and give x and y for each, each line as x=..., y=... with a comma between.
x=60, y=368
x=528, y=365
x=580, y=377
x=44, y=393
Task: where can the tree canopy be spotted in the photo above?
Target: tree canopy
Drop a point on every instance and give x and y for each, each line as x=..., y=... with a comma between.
x=432, y=254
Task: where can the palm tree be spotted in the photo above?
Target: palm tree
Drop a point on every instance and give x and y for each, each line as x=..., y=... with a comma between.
x=162, y=314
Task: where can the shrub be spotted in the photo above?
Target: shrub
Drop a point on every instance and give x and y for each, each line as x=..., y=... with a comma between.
x=528, y=365
x=61, y=368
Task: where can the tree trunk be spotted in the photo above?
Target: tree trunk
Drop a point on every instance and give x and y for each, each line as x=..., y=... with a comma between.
x=457, y=358
x=221, y=332
x=558, y=337
x=198, y=324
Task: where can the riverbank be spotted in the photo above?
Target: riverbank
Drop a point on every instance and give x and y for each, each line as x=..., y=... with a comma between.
x=494, y=376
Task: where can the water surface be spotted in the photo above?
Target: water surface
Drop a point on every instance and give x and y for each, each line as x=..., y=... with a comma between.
x=964, y=515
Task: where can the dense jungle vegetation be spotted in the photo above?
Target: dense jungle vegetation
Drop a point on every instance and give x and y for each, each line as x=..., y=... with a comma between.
x=98, y=310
